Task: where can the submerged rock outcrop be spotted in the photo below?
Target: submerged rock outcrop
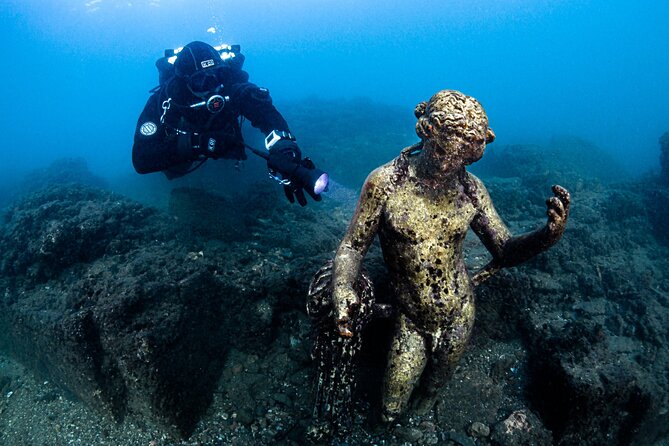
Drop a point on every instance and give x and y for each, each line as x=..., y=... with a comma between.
x=64, y=225
x=101, y=298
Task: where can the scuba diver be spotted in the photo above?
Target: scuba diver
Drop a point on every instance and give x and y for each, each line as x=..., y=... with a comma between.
x=196, y=113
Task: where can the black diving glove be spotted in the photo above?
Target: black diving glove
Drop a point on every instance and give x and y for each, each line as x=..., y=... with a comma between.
x=297, y=175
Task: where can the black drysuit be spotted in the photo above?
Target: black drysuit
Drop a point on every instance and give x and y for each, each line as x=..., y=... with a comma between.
x=168, y=126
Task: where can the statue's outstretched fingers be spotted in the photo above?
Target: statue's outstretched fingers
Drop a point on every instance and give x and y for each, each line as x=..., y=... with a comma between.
x=552, y=214
x=562, y=194
x=554, y=203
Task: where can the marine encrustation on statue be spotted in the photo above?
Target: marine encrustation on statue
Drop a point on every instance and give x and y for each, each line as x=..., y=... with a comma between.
x=421, y=205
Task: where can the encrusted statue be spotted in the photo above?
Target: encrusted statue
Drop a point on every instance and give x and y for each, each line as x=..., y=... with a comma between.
x=421, y=205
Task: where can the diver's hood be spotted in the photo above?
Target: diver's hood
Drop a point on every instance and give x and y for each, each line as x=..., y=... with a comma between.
x=195, y=57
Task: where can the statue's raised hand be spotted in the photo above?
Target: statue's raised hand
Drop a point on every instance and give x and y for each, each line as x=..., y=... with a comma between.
x=558, y=212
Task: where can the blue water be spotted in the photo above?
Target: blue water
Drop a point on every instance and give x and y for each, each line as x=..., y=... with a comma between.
x=75, y=74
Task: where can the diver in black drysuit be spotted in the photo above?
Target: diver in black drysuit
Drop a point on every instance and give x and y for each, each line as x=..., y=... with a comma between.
x=195, y=115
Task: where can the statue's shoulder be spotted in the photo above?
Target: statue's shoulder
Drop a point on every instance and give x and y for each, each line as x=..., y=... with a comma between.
x=398, y=168
x=387, y=177
x=474, y=180
x=475, y=189
x=379, y=178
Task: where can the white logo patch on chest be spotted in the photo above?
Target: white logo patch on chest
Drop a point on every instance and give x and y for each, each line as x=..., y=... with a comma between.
x=148, y=128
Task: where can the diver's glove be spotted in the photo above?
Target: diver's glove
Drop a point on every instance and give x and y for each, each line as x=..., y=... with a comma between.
x=297, y=175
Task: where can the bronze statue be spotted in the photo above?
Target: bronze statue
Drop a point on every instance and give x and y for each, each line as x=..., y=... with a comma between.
x=421, y=205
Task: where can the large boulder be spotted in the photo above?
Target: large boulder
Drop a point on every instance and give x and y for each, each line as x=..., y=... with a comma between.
x=15, y=184
x=100, y=296
x=63, y=225
x=142, y=336
x=61, y=171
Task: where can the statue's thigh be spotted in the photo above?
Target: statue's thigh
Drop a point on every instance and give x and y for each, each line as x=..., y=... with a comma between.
x=449, y=349
x=406, y=361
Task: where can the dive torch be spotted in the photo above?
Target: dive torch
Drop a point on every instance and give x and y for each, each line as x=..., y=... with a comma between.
x=304, y=173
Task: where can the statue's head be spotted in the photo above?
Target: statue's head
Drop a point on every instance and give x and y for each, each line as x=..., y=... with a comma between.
x=454, y=129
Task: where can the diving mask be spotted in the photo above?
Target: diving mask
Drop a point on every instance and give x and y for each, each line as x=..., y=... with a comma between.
x=206, y=85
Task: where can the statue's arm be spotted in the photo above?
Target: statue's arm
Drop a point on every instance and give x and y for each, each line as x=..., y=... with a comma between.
x=348, y=259
x=508, y=250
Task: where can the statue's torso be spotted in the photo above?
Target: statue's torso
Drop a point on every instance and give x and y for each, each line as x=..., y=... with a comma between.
x=421, y=236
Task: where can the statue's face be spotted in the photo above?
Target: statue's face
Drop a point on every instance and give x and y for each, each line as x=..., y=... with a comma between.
x=454, y=151
x=454, y=129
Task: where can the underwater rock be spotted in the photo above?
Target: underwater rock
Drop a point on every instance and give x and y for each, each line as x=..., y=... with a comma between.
x=587, y=391
x=521, y=428
x=63, y=225
x=14, y=185
x=409, y=434
x=656, y=201
x=100, y=297
x=142, y=336
x=478, y=430
x=664, y=158
x=60, y=172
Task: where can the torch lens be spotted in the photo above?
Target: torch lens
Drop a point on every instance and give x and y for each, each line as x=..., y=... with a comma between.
x=321, y=183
